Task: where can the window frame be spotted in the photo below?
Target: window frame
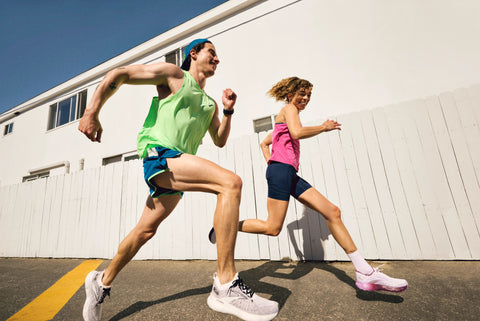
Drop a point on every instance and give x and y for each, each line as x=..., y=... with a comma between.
x=8, y=129
x=258, y=129
x=76, y=107
x=112, y=159
x=178, y=56
x=120, y=158
x=34, y=177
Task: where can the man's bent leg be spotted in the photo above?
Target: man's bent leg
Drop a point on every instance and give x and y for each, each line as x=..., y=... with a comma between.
x=97, y=284
x=155, y=211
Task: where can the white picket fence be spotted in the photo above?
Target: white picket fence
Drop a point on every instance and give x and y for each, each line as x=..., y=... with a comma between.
x=405, y=176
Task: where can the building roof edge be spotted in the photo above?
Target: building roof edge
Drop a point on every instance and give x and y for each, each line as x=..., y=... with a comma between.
x=201, y=21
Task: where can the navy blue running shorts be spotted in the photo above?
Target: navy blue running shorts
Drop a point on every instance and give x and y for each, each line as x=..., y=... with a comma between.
x=283, y=181
x=156, y=163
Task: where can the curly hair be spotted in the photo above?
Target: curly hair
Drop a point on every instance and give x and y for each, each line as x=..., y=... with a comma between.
x=286, y=86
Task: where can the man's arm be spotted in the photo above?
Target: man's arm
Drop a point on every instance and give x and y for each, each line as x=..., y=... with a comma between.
x=219, y=130
x=155, y=74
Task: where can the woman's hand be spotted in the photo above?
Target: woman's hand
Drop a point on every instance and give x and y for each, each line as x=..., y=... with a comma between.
x=331, y=125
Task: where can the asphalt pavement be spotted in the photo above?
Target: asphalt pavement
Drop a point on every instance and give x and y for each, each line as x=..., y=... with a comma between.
x=178, y=290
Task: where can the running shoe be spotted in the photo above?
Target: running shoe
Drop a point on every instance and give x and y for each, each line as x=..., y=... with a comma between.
x=379, y=281
x=212, y=237
x=237, y=299
x=96, y=293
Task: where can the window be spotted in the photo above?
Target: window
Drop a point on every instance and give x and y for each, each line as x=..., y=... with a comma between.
x=174, y=57
x=67, y=110
x=35, y=176
x=112, y=159
x=125, y=157
x=8, y=129
x=131, y=157
x=263, y=124
x=82, y=103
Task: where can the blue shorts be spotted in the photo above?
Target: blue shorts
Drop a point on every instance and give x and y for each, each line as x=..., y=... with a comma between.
x=156, y=163
x=283, y=181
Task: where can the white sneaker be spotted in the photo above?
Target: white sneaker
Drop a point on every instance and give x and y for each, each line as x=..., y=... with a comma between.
x=96, y=293
x=237, y=299
x=379, y=281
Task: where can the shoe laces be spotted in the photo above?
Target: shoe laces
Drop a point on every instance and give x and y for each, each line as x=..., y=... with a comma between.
x=242, y=286
x=105, y=292
x=378, y=268
x=375, y=270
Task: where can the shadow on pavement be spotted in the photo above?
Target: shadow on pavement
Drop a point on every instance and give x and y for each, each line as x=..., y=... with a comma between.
x=141, y=305
x=279, y=294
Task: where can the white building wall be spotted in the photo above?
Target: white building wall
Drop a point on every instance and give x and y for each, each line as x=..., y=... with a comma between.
x=359, y=55
x=405, y=176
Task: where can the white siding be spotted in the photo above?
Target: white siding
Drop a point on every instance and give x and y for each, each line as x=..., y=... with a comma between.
x=405, y=176
x=358, y=53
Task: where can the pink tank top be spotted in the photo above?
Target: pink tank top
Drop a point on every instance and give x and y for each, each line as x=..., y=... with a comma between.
x=285, y=149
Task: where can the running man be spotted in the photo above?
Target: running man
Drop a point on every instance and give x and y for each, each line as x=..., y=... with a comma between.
x=167, y=144
x=283, y=181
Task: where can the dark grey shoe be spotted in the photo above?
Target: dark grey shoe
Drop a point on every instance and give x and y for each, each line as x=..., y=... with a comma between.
x=212, y=237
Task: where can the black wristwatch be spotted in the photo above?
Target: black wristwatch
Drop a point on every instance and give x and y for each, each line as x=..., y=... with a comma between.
x=227, y=112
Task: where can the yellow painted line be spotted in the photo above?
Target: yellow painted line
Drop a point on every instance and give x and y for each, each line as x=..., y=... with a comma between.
x=50, y=302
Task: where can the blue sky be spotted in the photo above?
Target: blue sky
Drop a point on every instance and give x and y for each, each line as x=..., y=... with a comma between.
x=45, y=43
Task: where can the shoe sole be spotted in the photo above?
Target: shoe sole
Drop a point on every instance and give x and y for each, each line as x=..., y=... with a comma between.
x=378, y=287
x=219, y=306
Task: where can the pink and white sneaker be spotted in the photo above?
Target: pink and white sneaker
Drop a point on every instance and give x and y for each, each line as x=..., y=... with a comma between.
x=379, y=281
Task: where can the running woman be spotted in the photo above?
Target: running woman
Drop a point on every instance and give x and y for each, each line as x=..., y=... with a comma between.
x=176, y=123
x=284, y=181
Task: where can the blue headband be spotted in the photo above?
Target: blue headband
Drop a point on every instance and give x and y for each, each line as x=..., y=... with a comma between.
x=190, y=46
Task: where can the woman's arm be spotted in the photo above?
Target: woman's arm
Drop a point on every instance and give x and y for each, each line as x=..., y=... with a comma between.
x=297, y=131
x=265, y=146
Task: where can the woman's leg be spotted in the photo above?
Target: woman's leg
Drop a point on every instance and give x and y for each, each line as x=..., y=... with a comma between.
x=316, y=201
x=280, y=178
x=277, y=209
x=368, y=278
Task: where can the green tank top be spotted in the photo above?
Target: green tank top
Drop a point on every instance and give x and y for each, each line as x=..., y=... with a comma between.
x=178, y=122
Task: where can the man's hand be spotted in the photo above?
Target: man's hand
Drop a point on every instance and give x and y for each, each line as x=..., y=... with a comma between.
x=228, y=99
x=90, y=126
